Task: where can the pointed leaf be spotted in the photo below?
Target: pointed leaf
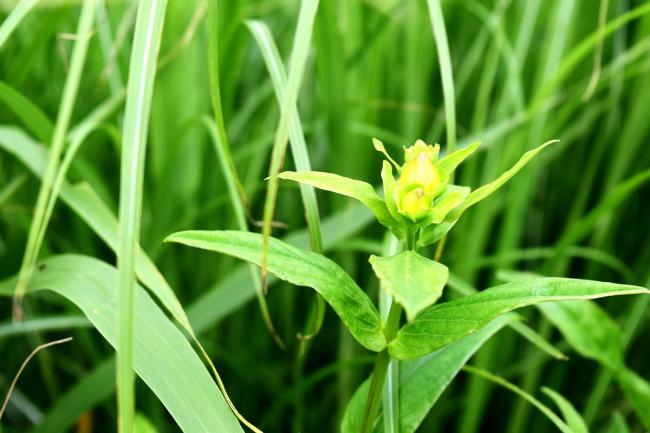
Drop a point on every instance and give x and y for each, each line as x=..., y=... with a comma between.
x=453, y=197
x=434, y=232
x=569, y=413
x=302, y=268
x=449, y=163
x=484, y=191
x=389, y=190
x=362, y=191
x=445, y=323
x=414, y=281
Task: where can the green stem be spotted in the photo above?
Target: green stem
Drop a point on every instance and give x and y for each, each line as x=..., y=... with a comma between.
x=381, y=366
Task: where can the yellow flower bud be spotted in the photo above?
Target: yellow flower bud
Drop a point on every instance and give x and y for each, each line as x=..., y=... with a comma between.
x=420, y=182
x=421, y=171
x=414, y=204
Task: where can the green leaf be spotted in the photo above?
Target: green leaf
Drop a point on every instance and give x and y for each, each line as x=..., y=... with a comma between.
x=434, y=232
x=618, y=424
x=362, y=191
x=561, y=425
x=389, y=190
x=588, y=329
x=423, y=381
x=143, y=425
x=414, y=281
x=142, y=72
x=31, y=115
x=302, y=268
x=164, y=359
x=569, y=413
x=449, y=163
x=85, y=202
x=442, y=324
x=593, y=334
x=453, y=197
x=484, y=191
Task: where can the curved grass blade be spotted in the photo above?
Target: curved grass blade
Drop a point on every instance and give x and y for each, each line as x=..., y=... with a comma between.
x=302, y=268
x=18, y=13
x=445, y=323
x=444, y=60
x=561, y=425
x=232, y=180
x=299, y=52
x=164, y=359
x=70, y=90
x=32, y=116
x=569, y=413
x=142, y=69
x=43, y=324
x=299, y=151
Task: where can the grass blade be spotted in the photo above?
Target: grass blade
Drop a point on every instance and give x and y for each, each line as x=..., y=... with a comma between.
x=299, y=52
x=58, y=142
x=14, y=19
x=142, y=68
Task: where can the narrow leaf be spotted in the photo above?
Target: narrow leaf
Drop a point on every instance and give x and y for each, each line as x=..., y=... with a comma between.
x=569, y=413
x=359, y=190
x=484, y=191
x=142, y=71
x=449, y=163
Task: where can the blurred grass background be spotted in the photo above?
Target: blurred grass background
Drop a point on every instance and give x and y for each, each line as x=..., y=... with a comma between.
x=523, y=75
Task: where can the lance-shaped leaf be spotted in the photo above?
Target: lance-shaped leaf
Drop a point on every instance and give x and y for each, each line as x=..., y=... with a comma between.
x=449, y=163
x=442, y=324
x=302, y=268
x=362, y=191
x=414, y=281
x=389, y=190
x=422, y=381
x=569, y=413
x=434, y=232
x=484, y=191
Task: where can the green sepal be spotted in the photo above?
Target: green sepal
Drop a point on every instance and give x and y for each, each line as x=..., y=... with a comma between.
x=449, y=163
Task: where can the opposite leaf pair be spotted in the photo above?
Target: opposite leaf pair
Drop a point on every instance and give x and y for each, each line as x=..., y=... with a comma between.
x=421, y=202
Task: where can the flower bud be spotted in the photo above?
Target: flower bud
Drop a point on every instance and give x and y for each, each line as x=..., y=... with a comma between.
x=420, y=181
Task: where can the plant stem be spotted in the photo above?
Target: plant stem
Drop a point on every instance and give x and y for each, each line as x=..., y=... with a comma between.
x=381, y=366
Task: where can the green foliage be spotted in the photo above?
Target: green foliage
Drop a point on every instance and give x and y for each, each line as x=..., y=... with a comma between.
x=442, y=324
x=247, y=78
x=301, y=268
x=164, y=359
x=423, y=380
x=412, y=280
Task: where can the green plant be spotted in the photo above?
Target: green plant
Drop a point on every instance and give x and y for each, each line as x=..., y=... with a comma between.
x=419, y=208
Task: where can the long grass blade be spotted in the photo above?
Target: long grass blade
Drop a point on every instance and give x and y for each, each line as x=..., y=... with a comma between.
x=299, y=151
x=58, y=143
x=142, y=68
x=14, y=19
x=299, y=53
